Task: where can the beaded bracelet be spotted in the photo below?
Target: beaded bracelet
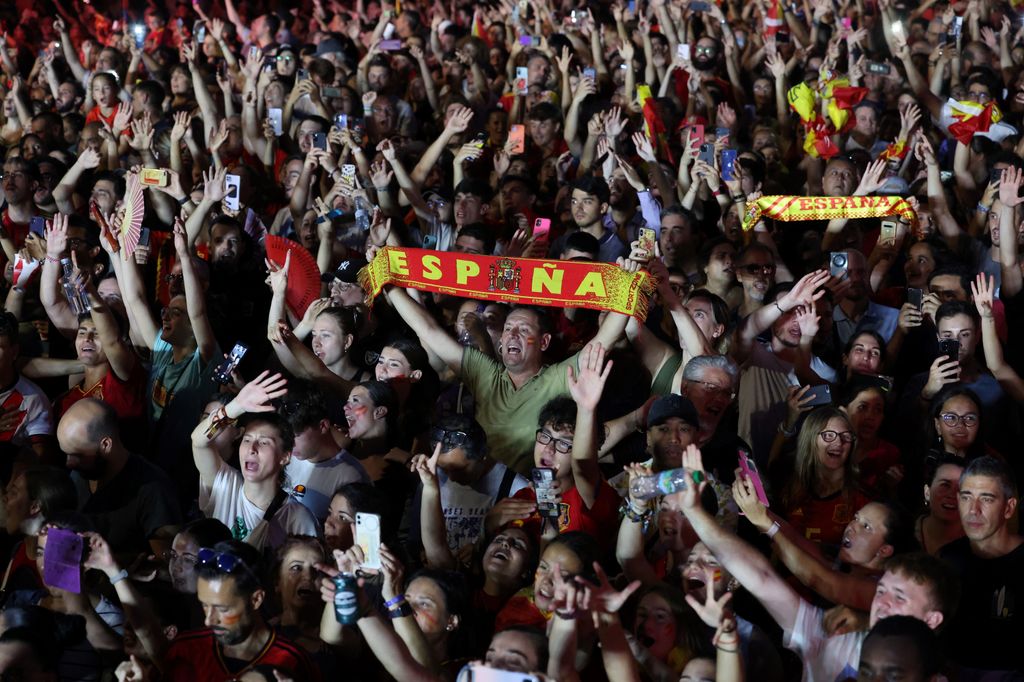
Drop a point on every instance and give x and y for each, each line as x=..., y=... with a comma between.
x=394, y=601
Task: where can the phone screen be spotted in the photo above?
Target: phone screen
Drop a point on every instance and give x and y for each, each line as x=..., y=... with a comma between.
x=368, y=538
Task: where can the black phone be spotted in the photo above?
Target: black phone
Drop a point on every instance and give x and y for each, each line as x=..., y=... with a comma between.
x=915, y=297
x=37, y=226
x=707, y=153
x=820, y=395
x=144, y=235
x=995, y=175
x=222, y=375
x=320, y=140
x=950, y=348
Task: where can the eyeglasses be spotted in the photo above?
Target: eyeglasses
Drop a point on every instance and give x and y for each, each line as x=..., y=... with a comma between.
x=704, y=50
x=171, y=312
x=953, y=419
x=755, y=269
x=225, y=562
x=449, y=440
x=285, y=58
x=714, y=389
x=978, y=96
x=830, y=436
x=15, y=175
x=170, y=555
x=563, y=446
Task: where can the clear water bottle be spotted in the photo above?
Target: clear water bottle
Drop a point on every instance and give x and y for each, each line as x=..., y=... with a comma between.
x=76, y=297
x=466, y=339
x=661, y=483
x=362, y=214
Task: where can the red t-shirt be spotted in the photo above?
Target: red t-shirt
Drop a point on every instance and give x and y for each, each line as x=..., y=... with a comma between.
x=197, y=657
x=824, y=520
x=126, y=397
x=96, y=115
x=574, y=515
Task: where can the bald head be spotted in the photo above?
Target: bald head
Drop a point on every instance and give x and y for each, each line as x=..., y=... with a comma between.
x=87, y=433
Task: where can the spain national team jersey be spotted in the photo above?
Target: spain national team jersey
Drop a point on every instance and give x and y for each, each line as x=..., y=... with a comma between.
x=197, y=657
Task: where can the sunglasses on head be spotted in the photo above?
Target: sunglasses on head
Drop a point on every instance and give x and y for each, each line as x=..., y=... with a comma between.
x=225, y=562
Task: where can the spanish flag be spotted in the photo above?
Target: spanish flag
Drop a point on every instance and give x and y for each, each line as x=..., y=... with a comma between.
x=480, y=30
x=971, y=118
x=775, y=19
x=654, y=127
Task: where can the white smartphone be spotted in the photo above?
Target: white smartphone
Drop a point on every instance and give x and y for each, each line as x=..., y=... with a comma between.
x=368, y=539
x=276, y=120
x=683, y=51
x=232, y=185
x=389, y=31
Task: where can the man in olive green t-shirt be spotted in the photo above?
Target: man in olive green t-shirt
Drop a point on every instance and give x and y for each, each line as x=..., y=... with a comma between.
x=509, y=394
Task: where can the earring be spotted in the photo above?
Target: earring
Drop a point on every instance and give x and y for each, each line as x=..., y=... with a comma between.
x=450, y=627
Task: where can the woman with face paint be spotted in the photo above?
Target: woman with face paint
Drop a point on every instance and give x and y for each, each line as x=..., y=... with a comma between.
x=298, y=592
x=667, y=633
x=405, y=366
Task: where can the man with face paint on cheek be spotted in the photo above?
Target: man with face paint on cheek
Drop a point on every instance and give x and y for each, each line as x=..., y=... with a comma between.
x=238, y=637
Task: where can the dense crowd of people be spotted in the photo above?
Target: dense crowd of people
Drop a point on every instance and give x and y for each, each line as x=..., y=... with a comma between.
x=224, y=459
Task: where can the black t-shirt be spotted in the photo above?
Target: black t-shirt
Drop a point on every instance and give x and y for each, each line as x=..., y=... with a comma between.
x=132, y=506
x=987, y=630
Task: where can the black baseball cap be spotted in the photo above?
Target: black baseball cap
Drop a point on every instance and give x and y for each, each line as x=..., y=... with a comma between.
x=347, y=271
x=672, y=405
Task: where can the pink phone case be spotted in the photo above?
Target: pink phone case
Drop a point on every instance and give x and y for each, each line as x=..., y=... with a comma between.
x=749, y=469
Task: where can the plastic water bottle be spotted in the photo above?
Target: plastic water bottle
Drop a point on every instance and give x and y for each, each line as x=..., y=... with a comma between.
x=76, y=298
x=362, y=215
x=661, y=483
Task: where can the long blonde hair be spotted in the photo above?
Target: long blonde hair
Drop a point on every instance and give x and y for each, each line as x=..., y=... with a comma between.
x=807, y=468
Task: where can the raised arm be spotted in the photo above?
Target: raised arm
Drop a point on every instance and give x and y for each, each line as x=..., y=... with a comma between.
x=255, y=396
x=433, y=533
x=50, y=294
x=427, y=328
x=1009, y=198
x=585, y=387
x=809, y=567
x=195, y=298
x=764, y=317
x=983, y=291
x=743, y=561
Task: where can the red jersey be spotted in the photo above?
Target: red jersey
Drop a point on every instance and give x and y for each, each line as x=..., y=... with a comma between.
x=197, y=657
x=95, y=115
x=16, y=231
x=574, y=515
x=824, y=520
x=126, y=397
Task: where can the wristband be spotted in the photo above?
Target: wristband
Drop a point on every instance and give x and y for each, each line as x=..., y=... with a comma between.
x=401, y=611
x=788, y=433
x=49, y=259
x=716, y=192
x=983, y=208
x=184, y=200
x=775, y=527
x=119, y=577
x=394, y=601
x=776, y=302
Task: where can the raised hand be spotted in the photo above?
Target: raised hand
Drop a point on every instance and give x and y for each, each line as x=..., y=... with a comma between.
x=750, y=506
x=213, y=185
x=983, y=290
x=808, y=319
x=1009, y=188
x=587, y=385
x=426, y=467
x=712, y=610
x=278, y=275
x=182, y=121
x=459, y=121
x=142, y=134
x=256, y=396
x=57, y=236
x=123, y=118
x=805, y=291
x=873, y=178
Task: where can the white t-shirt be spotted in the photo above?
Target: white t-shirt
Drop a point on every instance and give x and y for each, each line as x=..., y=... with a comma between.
x=826, y=659
x=465, y=507
x=313, y=484
x=38, y=419
x=226, y=502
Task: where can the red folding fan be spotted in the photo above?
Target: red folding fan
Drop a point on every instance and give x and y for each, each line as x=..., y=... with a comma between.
x=303, y=273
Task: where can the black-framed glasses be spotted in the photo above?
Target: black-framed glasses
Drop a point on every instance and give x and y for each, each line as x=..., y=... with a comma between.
x=449, y=440
x=757, y=269
x=954, y=419
x=544, y=438
x=830, y=436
